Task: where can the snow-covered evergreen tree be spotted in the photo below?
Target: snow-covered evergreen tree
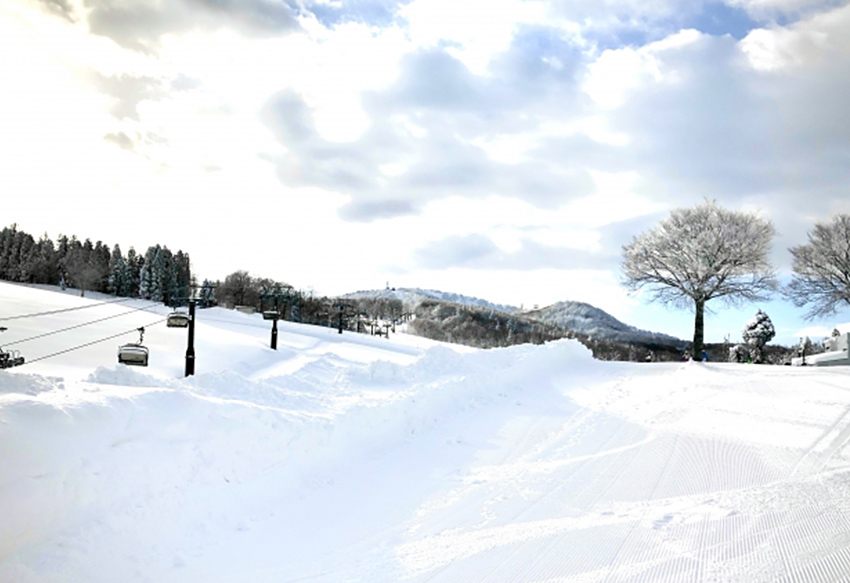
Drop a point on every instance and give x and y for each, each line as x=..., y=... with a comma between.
x=758, y=332
x=132, y=273
x=206, y=295
x=150, y=275
x=737, y=353
x=117, y=268
x=183, y=274
x=145, y=281
x=156, y=260
x=805, y=346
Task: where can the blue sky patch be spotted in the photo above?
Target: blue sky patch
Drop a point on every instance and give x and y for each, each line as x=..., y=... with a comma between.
x=717, y=19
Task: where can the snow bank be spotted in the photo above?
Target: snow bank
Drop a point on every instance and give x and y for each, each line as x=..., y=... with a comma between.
x=121, y=443
x=28, y=384
x=339, y=458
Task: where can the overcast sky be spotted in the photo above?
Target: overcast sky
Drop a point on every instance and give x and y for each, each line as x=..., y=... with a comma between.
x=505, y=149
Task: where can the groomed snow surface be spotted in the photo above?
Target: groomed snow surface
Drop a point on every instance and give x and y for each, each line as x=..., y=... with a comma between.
x=355, y=458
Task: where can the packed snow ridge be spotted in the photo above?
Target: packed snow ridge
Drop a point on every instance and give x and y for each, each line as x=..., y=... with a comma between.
x=356, y=458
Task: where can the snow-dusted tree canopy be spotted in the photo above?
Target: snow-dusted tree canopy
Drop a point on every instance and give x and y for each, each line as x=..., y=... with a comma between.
x=759, y=330
x=701, y=253
x=822, y=268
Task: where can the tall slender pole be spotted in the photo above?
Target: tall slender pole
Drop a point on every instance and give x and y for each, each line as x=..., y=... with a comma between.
x=190, y=349
x=274, y=323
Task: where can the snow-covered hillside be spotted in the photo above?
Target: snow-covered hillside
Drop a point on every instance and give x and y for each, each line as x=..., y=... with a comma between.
x=412, y=296
x=587, y=319
x=356, y=458
x=567, y=315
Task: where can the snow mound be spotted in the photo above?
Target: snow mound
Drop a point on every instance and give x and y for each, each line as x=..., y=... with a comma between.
x=123, y=375
x=177, y=444
x=444, y=361
x=27, y=384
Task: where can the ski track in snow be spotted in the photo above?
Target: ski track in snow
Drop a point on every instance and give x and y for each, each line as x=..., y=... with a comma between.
x=352, y=458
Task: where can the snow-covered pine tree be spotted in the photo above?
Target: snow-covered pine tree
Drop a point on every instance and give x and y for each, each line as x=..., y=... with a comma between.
x=28, y=262
x=48, y=263
x=100, y=261
x=206, y=295
x=805, y=347
x=184, y=274
x=117, y=268
x=155, y=258
x=758, y=332
x=169, y=277
x=145, y=281
x=132, y=273
x=737, y=353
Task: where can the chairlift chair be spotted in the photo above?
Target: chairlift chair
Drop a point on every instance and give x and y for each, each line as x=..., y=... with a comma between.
x=177, y=320
x=135, y=353
x=10, y=358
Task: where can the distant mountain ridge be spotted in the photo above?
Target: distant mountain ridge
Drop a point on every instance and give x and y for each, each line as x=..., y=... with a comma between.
x=412, y=296
x=571, y=316
x=590, y=320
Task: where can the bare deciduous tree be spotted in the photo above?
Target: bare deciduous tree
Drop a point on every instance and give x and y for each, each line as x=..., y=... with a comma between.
x=699, y=254
x=822, y=268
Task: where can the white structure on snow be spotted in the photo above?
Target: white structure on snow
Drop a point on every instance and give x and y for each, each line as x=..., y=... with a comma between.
x=836, y=353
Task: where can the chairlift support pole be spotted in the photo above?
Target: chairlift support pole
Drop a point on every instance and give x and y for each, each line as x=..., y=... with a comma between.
x=342, y=306
x=274, y=323
x=190, y=349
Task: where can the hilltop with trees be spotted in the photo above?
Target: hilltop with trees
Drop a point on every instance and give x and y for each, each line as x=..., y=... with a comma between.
x=158, y=275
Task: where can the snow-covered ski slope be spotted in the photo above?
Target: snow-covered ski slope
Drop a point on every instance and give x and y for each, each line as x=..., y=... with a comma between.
x=352, y=458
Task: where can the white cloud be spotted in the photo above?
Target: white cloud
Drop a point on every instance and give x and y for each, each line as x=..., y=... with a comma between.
x=478, y=32
x=771, y=9
x=507, y=149
x=613, y=202
x=329, y=69
x=393, y=169
x=515, y=148
x=806, y=43
x=617, y=71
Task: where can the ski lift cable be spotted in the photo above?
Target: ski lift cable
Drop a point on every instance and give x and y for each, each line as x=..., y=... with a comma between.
x=113, y=336
x=75, y=326
x=65, y=310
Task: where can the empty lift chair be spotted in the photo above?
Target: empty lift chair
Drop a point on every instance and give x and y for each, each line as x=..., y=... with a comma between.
x=134, y=354
x=10, y=358
x=177, y=320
